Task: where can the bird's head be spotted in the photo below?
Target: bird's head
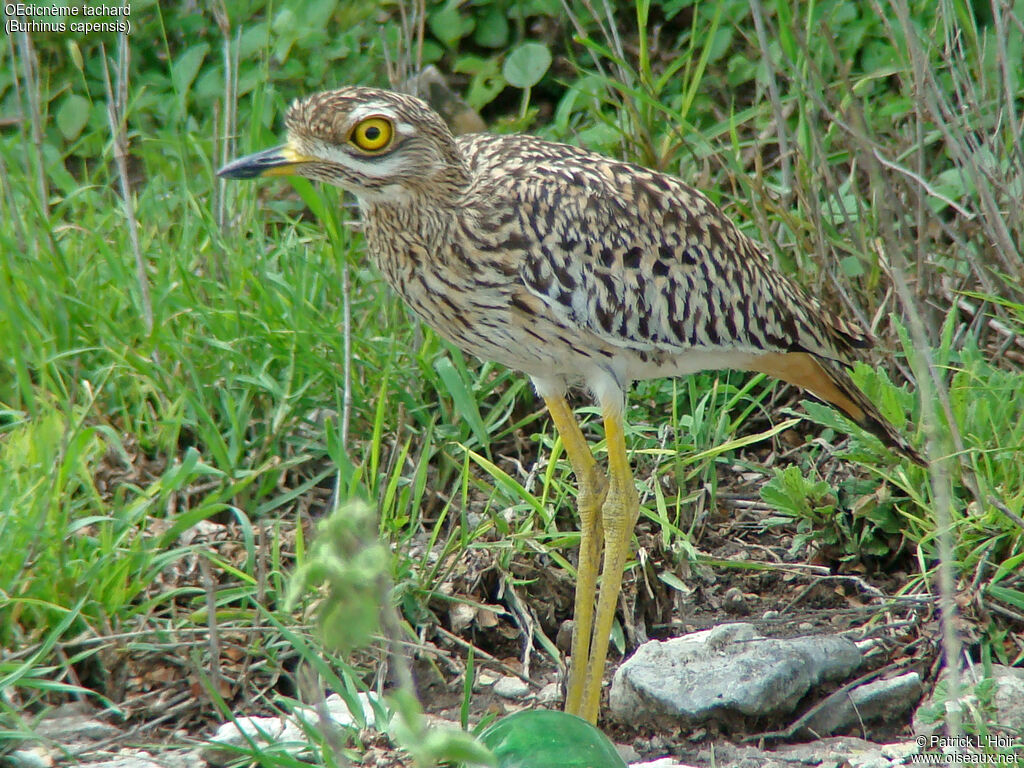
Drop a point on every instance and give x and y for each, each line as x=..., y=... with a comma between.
x=379, y=145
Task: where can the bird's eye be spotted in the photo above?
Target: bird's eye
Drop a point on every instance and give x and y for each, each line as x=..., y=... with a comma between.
x=372, y=134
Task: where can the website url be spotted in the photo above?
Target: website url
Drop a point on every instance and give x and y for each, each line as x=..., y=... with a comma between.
x=963, y=758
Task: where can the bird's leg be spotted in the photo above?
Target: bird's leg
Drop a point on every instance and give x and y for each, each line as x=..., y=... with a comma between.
x=592, y=490
x=618, y=518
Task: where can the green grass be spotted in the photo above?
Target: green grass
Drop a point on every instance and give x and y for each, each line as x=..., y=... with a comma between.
x=883, y=170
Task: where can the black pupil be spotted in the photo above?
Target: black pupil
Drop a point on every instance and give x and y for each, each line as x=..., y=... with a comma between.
x=372, y=133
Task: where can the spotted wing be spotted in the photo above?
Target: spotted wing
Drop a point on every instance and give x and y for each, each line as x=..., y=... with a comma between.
x=645, y=262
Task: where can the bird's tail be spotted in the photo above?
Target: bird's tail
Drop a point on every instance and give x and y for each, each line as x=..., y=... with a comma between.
x=830, y=381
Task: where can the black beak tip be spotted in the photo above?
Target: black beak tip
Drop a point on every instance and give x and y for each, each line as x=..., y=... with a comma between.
x=273, y=161
x=240, y=169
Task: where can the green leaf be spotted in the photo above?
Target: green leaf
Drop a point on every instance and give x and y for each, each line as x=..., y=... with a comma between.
x=449, y=25
x=675, y=582
x=186, y=67
x=790, y=492
x=487, y=81
x=544, y=737
x=454, y=746
x=465, y=404
x=72, y=115
x=1007, y=595
x=492, y=31
x=851, y=266
x=526, y=65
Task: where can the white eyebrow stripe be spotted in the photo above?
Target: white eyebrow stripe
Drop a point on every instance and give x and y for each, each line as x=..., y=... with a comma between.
x=373, y=108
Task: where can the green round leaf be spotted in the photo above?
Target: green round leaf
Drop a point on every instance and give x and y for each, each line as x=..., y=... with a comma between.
x=492, y=30
x=72, y=115
x=544, y=737
x=526, y=65
x=449, y=25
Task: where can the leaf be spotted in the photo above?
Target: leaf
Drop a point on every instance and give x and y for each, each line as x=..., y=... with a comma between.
x=454, y=746
x=851, y=266
x=526, y=65
x=449, y=25
x=1006, y=595
x=486, y=83
x=492, y=31
x=186, y=67
x=791, y=493
x=75, y=52
x=675, y=582
x=464, y=402
x=72, y=115
x=551, y=739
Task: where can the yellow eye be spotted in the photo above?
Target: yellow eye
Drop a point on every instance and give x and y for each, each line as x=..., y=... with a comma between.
x=372, y=134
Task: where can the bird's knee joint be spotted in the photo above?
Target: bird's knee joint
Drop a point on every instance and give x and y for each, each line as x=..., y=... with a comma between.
x=593, y=491
x=621, y=508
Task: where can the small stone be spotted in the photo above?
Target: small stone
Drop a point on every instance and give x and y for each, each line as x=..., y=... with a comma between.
x=626, y=752
x=510, y=687
x=460, y=616
x=73, y=724
x=338, y=711
x=881, y=700
x=485, y=679
x=262, y=730
x=735, y=602
x=36, y=757
x=563, y=640
x=549, y=694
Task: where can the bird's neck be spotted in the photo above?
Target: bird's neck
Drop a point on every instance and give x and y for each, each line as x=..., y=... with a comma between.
x=408, y=222
x=406, y=225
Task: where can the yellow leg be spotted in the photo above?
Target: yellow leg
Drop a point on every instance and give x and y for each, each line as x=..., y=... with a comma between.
x=618, y=518
x=592, y=489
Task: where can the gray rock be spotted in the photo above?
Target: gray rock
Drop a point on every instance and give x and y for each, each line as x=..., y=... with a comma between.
x=130, y=759
x=725, y=674
x=550, y=694
x=237, y=734
x=1007, y=701
x=881, y=700
x=35, y=757
x=510, y=687
x=74, y=724
x=38, y=757
x=72, y=729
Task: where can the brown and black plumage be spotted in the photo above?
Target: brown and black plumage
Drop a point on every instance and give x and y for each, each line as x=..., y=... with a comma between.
x=578, y=270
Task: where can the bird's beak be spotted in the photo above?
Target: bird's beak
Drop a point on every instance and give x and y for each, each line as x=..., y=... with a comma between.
x=278, y=161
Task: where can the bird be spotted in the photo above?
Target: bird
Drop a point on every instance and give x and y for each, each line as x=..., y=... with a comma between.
x=581, y=271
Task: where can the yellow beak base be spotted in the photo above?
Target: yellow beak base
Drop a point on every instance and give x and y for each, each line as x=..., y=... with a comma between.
x=277, y=161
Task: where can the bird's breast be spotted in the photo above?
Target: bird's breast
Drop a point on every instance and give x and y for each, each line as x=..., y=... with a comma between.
x=467, y=286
